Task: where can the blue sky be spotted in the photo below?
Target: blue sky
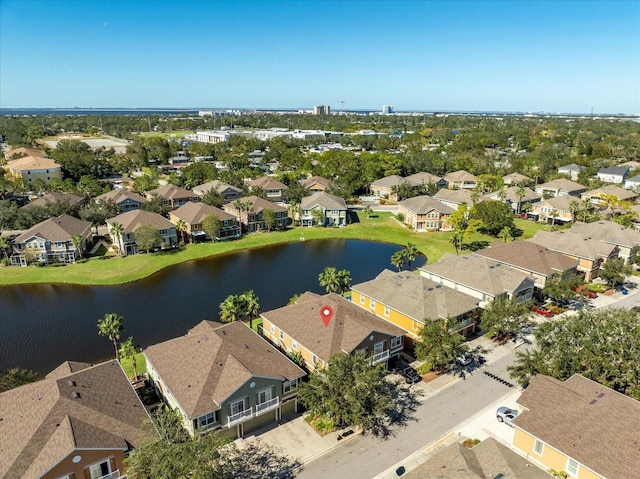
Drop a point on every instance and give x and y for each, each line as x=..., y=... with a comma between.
x=549, y=56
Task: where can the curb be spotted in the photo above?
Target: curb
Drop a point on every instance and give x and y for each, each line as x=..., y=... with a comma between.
x=331, y=448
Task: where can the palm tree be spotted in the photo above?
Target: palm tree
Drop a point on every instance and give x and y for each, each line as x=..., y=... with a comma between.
x=505, y=234
x=520, y=193
x=231, y=309
x=329, y=279
x=411, y=251
x=111, y=326
x=78, y=240
x=574, y=207
x=344, y=280
x=456, y=239
x=128, y=350
x=554, y=214
x=367, y=211
x=251, y=305
x=181, y=228
x=116, y=232
x=5, y=246
x=398, y=259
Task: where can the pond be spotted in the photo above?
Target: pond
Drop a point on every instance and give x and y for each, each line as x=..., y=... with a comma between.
x=44, y=325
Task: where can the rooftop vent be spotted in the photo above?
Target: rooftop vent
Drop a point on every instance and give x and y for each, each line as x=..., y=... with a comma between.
x=601, y=395
x=592, y=402
x=72, y=382
x=246, y=347
x=39, y=396
x=75, y=395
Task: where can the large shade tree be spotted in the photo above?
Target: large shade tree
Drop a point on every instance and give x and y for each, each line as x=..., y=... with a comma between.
x=439, y=344
x=602, y=345
x=505, y=317
x=111, y=326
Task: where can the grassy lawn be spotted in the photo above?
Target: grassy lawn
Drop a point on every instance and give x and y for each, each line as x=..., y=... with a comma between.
x=110, y=271
x=141, y=364
x=167, y=135
x=256, y=322
x=530, y=228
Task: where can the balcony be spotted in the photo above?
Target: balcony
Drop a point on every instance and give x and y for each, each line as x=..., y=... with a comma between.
x=267, y=406
x=239, y=418
x=378, y=358
x=114, y=475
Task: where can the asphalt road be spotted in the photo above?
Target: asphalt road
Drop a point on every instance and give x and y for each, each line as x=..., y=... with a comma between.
x=365, y=456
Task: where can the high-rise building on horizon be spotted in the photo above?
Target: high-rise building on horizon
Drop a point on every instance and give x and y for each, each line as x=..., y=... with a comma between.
x=387, y=109
x=321, y=110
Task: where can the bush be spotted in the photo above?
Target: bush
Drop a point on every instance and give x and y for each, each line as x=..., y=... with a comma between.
x=400, y=217
x=425, y=368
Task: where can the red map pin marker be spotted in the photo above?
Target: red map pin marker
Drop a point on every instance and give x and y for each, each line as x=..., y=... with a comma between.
x=326, y=313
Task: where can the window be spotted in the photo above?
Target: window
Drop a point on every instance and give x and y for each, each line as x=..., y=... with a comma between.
x=265, y=395
x=361, y=299
x=272, y=328
x=396, y=341
x=207, y=419
x=288, y=386
x=294, y=345
x=538, y=447
x=98, y=470
x=386, y=310
x=314, y=359
x=378, y=348
x=238, y=406
x=373, y=304
x=572, y=467
x=281, y=335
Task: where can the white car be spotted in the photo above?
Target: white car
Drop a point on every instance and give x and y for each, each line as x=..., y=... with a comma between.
x=506, y=415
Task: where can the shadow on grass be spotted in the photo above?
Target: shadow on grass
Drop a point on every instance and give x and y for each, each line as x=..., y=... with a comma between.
x=405, y=403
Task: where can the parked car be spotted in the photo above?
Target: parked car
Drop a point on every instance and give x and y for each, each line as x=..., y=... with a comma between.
x=506, y=415
x=592, y=294
x=465, y=359
x=410, y=375
x=542, y=311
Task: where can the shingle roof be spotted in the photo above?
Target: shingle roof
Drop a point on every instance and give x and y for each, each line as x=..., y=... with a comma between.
x=423, y=178
x=609, y=232
x=66, y=368
x=267, y=183
x=24, y=151
x=489, y=459
x=54, y=197
x=529, y=256
x=203, y=368
x=590, y=423
x=453, y=196
x=32, y=163
x=389, y=181
x=613, y=190
x=423, y=204
x=572, y=167
x=216, y=185
x=515, y=178
x=562, y=184
x=614, y=170
x=316, y=180
x=573, y=243
x=512, y=194
x=118, y=196
x=350, y=325
x=560, y=203
x=171, y=191
x=258, y=204
x=416, y=296
x=42, y=421
x=460, y=175
x=132, y=220
x=479, y=273
x=193, y=213
x=61, y=228
x=323, y=199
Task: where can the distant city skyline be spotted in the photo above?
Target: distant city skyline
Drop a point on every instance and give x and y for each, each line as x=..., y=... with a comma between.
x=534, y=56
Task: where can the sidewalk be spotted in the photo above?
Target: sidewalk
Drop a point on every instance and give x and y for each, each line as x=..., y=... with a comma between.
x=301, y=442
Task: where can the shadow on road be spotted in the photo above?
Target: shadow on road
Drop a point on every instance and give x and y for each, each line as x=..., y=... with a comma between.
x=406, y=402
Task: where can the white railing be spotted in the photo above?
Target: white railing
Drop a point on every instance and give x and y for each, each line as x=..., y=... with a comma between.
x=267, y=405
x=378, y=358
x=114, y=475
x=240, y=417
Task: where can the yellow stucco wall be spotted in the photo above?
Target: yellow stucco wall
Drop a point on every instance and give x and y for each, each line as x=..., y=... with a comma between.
x=287, y=342
x=550, y=458
x=406, y=323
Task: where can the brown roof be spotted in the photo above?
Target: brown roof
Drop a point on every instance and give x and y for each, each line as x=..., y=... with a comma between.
x=562, y=184
x=24, y=152
x=118, y=196
x=512, y=194
x=324, y=199
x=216, y=185
x=453, y=196
x=460, y=175
x=267, y=183
x=390, y=181
x=171, y=191
x=193, y=213
x=423, y=204
x=609, y=232
x=54, y=197
x=316, y=180
x=258, y=203
x=66, y=368
x=61, y=228
x=132, y=220
x=479, y=273
x=489, y=459
x=42, y=422
x=612, y=190
x=423, y=178
x=529, y=256
x=573, y=243
x=416, y=296
x=516, y=177
x=203, y=368
x=350, y=325
x=592, y=424
x=32, y=163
